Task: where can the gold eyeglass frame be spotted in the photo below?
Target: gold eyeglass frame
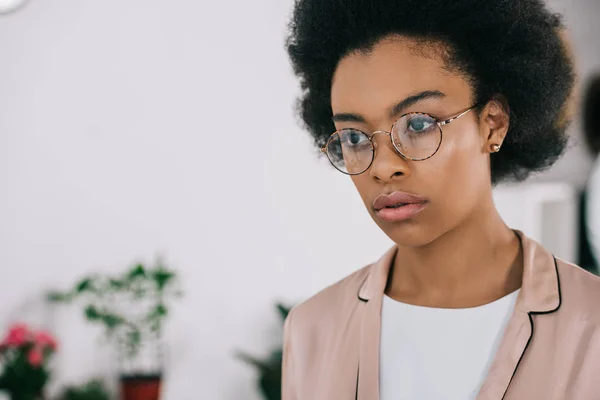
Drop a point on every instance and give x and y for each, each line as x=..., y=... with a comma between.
x=439, y=124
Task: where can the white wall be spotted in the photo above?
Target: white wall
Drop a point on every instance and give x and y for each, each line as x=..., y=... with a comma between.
x=139, y=127
x=135, y=128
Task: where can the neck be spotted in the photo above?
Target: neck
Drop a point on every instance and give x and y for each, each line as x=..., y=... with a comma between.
x=473, y=264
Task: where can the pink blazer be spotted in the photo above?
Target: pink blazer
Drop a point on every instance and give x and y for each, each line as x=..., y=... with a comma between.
x=550, y=349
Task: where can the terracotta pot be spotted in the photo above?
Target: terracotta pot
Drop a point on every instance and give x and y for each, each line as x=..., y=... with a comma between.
x=140, y=387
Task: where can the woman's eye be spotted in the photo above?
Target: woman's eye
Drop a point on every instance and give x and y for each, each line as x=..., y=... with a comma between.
x=355, y=138
x=420, y=124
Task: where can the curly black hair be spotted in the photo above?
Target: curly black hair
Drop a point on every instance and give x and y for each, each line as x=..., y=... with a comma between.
x=507, y=48
x=591, y=115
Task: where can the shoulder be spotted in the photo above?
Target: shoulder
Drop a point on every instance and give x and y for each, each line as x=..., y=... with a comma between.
x=579, y=290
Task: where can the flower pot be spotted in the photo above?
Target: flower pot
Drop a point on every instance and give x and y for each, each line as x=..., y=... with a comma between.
x=140, y=387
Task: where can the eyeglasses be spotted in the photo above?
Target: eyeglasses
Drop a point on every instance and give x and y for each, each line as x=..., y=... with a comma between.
x=416, y=136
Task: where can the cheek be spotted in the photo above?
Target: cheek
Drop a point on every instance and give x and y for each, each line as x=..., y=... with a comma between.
x=461, y=157
x=458, y=173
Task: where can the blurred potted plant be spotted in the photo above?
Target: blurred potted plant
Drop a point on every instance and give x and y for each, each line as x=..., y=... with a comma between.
x=132, y=307
x=92, y=390
x=24, y=355
x=269, y=369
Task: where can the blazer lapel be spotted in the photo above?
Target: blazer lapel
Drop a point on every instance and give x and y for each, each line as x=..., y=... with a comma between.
x=371, y=294
x=514, y=343
x=540, y=294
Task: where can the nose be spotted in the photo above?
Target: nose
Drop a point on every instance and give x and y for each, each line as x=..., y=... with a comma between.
x=388, y=165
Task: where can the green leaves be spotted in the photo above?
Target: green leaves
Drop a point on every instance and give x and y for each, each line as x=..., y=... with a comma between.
x=91, y=313
x=283, y=311
x=162, y=277
x=137, y=272
x=111, y=320
x=116, y=284
x=92, y=390
x=132, y=342
x=84, y=285
x=270, y=368
x=130, y=305
x=159, y=311
x=156, y=316
x=58, y=297
x=262, y=365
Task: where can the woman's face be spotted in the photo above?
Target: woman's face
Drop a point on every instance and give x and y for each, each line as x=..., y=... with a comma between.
x=454, y=185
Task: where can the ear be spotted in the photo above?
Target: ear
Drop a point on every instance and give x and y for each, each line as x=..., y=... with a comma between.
x=495, y=120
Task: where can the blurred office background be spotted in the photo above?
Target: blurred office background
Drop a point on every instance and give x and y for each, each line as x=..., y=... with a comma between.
x=136, y=129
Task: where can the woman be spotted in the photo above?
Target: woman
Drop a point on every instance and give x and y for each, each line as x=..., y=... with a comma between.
x=426, y=105
x=591, y=217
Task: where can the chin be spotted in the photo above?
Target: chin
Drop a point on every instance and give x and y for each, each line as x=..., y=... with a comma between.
x=409, y=233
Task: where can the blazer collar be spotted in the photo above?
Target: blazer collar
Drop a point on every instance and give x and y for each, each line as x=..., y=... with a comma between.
x=376, y=280
x=540, y=289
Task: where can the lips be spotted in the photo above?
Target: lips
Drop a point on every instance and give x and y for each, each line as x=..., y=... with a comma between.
x=398, y=206
x=396, y=199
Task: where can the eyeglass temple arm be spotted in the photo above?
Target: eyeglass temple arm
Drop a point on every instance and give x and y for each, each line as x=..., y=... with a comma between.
x=446, y=122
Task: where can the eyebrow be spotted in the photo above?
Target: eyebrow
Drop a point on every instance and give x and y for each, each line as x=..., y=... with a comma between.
x=396, y=110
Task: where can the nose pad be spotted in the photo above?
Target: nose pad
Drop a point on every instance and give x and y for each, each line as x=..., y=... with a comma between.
x=385, y=133
x=389, y=135
x=389, y=141
x=388, y=163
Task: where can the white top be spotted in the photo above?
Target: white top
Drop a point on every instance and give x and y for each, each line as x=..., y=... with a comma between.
x=439, y=354
x=593, y=211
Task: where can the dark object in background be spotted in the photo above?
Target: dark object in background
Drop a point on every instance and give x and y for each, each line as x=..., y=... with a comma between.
x=591, y=115
x=585, y=257
x=269, y=369
x=142, y=387
x=591, y=131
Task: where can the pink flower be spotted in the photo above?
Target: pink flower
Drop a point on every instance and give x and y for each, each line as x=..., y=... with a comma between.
x=44, y=339
x=35, y=357
x=17, y=336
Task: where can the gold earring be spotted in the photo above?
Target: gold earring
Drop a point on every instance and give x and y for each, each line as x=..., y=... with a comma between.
x=495, y=148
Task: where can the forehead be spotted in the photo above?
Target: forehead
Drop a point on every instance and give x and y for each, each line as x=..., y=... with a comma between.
x=368, y=83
